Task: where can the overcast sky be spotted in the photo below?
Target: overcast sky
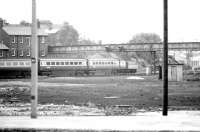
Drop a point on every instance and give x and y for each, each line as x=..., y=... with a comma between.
x=112, y=21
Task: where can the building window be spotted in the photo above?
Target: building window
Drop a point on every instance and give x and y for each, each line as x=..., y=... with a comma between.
x=29, y=52
x=28, y=40
x=13, y=39
x=13, y=52
x=21, y=53
x=43, y=53
x=21, y=39
x=1, y=53
x=42, y=39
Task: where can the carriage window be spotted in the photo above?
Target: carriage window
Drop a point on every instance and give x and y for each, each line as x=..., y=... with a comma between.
x=21, y=63
x=14, y=63
x=80, y=63
x=8, y=63
x=1, y=63
x=47, y=63
x=75, y=63
x=99, y=62
x=111, y=62
x=62, y=63
x=71, y=63
x=52, y=63
x=28, y=63
x=102, y=63
x=66, y=63
x=57, y=63
x=93, y=63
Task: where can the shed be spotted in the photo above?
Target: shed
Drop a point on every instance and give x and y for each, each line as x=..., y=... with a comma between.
x=175, y=70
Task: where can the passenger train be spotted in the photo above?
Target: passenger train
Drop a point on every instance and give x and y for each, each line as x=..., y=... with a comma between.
x=68, y=67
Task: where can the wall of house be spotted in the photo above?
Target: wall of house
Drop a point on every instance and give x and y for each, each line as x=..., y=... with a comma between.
x=21, y=45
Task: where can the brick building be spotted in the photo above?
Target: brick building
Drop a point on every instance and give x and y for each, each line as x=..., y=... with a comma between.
x=16, y=41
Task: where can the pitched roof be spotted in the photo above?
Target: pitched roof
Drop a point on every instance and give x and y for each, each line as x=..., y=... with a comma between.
x=173, y=61
x=3, y=47
x=22, y=30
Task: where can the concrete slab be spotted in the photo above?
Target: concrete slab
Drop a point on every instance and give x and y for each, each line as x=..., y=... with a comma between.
x=151, y=121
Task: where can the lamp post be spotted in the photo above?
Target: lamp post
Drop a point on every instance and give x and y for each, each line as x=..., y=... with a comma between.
x=34, y=63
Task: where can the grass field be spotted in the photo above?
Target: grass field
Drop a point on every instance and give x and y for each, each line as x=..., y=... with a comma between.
x=105, y=91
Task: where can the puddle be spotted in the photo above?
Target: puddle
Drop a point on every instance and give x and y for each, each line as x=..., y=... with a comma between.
x=136, y=78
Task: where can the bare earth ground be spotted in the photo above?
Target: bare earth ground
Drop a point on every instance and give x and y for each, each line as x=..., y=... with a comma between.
x=117, y=95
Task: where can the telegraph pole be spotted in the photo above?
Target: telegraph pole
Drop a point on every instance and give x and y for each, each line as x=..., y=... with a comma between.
x=34, y=63
x=165, y=60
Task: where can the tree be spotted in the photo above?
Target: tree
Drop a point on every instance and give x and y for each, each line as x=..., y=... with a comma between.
x=24, y=23
x=67, y=35
x=86, y=42
x=145, y=38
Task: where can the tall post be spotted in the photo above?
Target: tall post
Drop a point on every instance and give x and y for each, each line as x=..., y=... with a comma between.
x=34, y=63
x=165, y=60
x=154, y=61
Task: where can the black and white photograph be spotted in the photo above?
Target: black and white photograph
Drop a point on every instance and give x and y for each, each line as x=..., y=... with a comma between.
x=99, y=65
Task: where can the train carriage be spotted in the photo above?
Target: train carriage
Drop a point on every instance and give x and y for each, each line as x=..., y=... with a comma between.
x=67, y=67
x=105, y=66
x=103, y=63
x=15, y=67
x=63, y=67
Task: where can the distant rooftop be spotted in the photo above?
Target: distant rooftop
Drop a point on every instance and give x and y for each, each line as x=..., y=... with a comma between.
x=22, y=30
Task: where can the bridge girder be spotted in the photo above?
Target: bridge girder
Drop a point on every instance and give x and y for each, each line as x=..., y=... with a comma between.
x=129, y=47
